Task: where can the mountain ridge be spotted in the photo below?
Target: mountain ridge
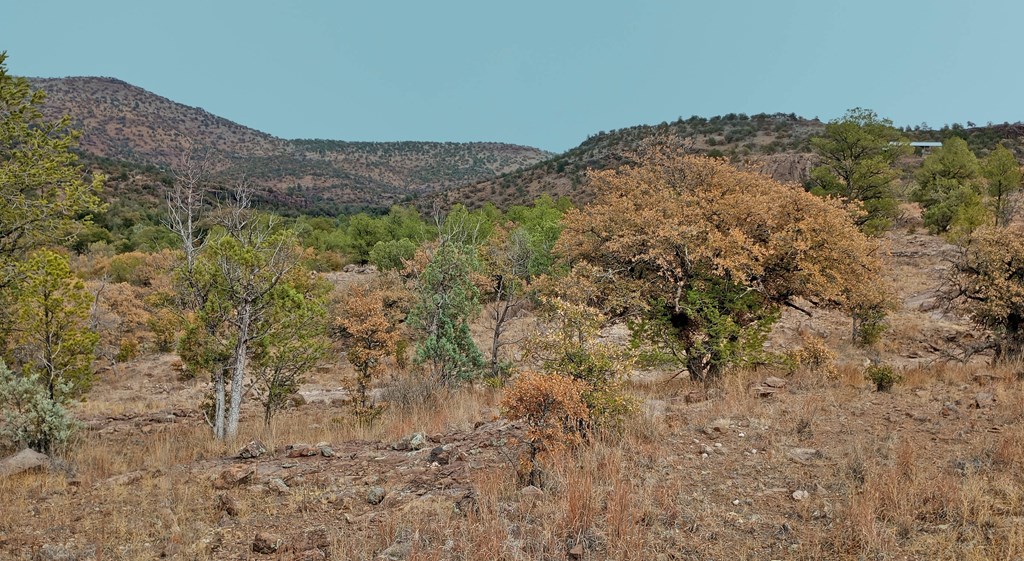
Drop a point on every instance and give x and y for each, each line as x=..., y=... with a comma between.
x=123, y=122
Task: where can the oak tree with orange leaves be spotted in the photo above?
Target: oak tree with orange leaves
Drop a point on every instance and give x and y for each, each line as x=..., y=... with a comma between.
x=701, y=257
x=987, y=282
x=372, y=336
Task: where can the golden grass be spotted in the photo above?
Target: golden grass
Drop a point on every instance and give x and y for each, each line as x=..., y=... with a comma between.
x=897, y=480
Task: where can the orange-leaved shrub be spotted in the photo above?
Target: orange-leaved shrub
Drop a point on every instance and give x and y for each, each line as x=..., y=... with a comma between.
x=552, y=408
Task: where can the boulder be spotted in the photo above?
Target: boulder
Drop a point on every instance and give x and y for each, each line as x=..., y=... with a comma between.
x=376, y=495
x=254, y=449
x=228, y=504
x=266, y=543
x=984, y=399
x=774, y=382
x=803, y=455
x=531, y=491
x=23, y=461
x=277, y=484
x=233, y=476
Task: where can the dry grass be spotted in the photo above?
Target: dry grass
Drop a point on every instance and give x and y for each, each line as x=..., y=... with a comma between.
x=897, y=478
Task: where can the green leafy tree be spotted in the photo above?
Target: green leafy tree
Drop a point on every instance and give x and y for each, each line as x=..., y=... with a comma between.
x=293, y=341
x=42, y=188
x=1003, y=177
x=447, y=300
x=49, y=335
x=391, y=255
x=542, y=224
x=858, y=153
x=949, y=188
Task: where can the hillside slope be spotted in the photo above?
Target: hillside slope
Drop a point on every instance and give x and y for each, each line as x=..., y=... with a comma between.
x=122, y=122
x=778, y=144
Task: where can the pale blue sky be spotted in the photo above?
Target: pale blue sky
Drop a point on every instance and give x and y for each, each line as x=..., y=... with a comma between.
x=545, y=74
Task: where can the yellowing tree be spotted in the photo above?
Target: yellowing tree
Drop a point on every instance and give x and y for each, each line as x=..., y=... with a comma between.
x=552, y=408
x=988, y=283
x=372, y=336
x=701, y=256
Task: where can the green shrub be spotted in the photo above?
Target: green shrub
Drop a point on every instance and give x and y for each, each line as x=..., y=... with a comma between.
x=30, y=418
x=391, y=255
x=882, y=376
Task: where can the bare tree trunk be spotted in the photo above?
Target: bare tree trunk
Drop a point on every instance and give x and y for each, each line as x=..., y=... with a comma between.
x=238, y=372
x=218, y=396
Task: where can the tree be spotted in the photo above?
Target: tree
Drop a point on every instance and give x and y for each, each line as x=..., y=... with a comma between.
x=701, y=256
x=859, y=152
x=507, y=257
x=240, y=278
x=42, y=188
x=186, y=201
x=372, y=337
x=949, y=189
x=552, y=408
x=1003, y=176
x=50, y=339
x=987, y=282
x=294, y=340
x=567, y=343
x=447, y=300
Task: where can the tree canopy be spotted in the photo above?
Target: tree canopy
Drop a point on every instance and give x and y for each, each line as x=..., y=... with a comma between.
x=703, y=255
x=42, y=188
x=858, y=153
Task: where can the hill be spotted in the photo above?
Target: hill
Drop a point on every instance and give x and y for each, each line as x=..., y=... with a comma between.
x=127, y=126
x=778, y=144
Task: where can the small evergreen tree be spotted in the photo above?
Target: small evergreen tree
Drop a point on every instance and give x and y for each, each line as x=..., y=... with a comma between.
x=50, y=338
x=1003, y=177
x=858, y=154
x=949, y=188
x=447, y=300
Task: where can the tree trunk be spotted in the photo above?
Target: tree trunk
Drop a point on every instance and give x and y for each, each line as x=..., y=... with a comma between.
x=238, y=372
x=218, y=397
x=1011, y=348
x=499, y=327
x=703, y=367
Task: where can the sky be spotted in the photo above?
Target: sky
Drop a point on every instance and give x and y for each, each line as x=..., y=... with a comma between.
x=539, y=73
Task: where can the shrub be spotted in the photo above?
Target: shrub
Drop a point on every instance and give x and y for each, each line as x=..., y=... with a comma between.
x=882, y=376
x=815, y=355
x=552, y=408
x=391, y=255
x=30, y=418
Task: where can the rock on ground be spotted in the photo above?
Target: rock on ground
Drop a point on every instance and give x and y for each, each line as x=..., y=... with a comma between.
x=23, y=461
